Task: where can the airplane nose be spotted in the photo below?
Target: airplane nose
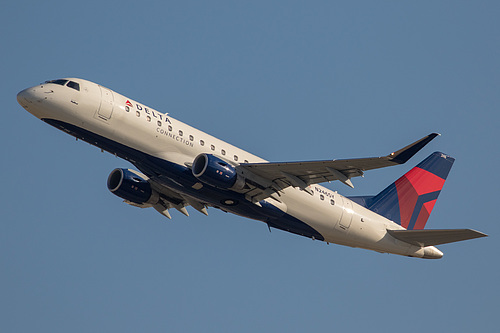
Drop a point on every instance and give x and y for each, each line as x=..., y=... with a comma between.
x=31, y=98
x=23, y=98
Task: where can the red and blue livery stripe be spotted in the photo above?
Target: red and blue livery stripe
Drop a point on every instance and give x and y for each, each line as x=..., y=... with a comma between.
x=410, y=199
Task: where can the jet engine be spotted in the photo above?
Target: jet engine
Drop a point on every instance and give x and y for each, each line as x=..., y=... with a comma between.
x=216, y=172
x=131, y=186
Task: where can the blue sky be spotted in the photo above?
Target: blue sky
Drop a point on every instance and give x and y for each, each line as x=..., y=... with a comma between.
x=287, y=81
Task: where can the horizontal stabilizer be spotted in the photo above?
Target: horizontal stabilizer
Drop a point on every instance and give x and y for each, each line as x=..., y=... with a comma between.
x=435, y=237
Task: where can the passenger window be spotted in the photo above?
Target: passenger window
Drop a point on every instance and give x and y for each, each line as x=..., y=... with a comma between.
x=202, y=143
x=212, y=147
x=169, y=128
x=127, y=108
x=223, y=152
x=74, y=85
x=148, y=118
x=246, y=161
x=191, y=138
x=332, y=202
x=159, y=123
x=180, y=133
x=137, y=113
x=322, y=197
x=235, y=158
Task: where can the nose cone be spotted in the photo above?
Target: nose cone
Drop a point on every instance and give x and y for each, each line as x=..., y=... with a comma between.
x=24, y=98
x=33, y=100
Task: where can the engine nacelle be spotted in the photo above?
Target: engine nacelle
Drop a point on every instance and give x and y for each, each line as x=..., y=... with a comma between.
x=214, y=171
x=131, y=187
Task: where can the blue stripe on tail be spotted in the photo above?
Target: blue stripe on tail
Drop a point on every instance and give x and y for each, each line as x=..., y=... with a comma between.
x=410, y=199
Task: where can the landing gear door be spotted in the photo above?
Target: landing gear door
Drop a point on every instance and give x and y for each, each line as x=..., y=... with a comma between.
x=106, y=108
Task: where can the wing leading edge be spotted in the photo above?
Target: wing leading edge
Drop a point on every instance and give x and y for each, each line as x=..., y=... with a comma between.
x=273, y=177
x=163, y=199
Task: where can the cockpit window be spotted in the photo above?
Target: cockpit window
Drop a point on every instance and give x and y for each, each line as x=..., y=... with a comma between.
x=59, y=82
x=74, y=85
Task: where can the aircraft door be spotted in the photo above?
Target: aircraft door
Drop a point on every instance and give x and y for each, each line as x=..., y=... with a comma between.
x=345, y=220
x=107, y=103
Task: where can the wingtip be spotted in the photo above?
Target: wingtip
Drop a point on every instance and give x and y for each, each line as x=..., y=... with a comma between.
x=478, y=234
x=403, y=155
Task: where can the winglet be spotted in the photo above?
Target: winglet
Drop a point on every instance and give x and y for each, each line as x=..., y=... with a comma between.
x=403, y=155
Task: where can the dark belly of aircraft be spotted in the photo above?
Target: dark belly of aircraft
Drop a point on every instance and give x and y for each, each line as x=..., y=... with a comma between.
x=180, y=179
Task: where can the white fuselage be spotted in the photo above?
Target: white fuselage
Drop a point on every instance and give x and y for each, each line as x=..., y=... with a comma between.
x=132, y=124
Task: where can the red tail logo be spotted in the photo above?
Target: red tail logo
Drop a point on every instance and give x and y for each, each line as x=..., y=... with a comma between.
x=417, y=193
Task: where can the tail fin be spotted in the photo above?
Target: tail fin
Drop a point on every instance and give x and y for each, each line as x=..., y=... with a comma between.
x=410, y=199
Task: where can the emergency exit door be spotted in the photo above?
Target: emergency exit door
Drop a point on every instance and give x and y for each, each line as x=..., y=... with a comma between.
x=346, y=219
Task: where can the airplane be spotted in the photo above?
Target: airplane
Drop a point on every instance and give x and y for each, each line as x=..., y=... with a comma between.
x=180, y=166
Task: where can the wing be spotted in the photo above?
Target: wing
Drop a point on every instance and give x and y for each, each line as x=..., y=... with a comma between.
x=271, y=178
x=165, y=199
